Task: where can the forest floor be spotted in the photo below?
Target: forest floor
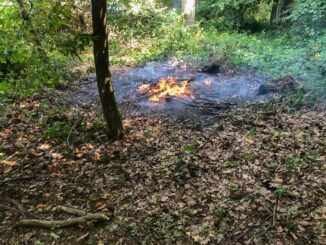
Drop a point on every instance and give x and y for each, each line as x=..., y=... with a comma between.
x=256, y=176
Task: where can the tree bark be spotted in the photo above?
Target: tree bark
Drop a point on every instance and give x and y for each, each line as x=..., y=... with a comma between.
x=22, y=7
x=103, y=75
x=278, y=8
x=188, y=11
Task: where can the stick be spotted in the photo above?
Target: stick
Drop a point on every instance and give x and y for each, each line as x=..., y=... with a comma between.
x=248, y=229
x=11, y=209
x=196, y=104
x=274, y=212
x=72, y=129
x=19, y=207
x=73, y=211
x=63, y=223
x=16, y=204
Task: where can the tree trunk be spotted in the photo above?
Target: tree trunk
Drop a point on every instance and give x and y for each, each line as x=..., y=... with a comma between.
x=278, y=9
x=274, y=10
x=103, y=75
x=188, y=11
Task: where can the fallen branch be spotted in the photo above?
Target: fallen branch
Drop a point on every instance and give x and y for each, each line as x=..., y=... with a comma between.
x=253, y=226
x=4, y=207
x=18, y=207
x=16, y=204
x=73, y=211
x=63, y=223
x=275, y=212
x=201, y=104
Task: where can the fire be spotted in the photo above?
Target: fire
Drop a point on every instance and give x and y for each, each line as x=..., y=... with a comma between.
x=165, y=88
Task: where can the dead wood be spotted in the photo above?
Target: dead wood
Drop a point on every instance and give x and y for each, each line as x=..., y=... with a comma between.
x=4, y=207
x=16, y=204
x=73, y=211
x=275, y=212
x=72, y=129
x=202, y=104
x=63, y=223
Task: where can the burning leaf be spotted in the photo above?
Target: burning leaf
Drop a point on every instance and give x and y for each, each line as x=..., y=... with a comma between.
x=165, y=88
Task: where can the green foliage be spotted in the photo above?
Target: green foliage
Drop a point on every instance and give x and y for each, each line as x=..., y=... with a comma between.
x=58, y=130
x=280, y=192
x=309, y=14
x=141, y=31
x=40, y=54
x=274, y=54
x=234, y=14
x=294, y=163
x=37, y=52
x=190, y=148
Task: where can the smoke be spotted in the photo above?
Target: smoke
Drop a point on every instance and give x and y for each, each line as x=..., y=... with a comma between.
x=221, y=87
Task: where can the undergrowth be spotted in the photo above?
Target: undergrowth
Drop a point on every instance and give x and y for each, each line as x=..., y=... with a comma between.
x=153, y=32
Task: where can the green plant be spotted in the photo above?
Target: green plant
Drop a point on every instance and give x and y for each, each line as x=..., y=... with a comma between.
x=143, y=31
x=58, y=130
x=291, y=225
x=234, y=14
x=190, y=148
x=294, y=163
x=37, y=52
x=230, y=164
x=308, y=15
x=280, y=192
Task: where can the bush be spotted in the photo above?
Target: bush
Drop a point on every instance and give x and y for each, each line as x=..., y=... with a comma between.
x=224, y=15
x=140, y=31
x=308, y=15
x=37, y=52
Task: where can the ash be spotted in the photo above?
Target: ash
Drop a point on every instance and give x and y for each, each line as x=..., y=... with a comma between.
x=213, y=93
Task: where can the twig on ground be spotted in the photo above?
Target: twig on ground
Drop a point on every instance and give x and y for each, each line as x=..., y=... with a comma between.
x=248, y=229
x=63, y=223
x=11, y=209
x=201, y=104
x=275, y=212
x=72, y=129
x=81, y=239
x=19, y=207
x=16, y=204
x=73, y=211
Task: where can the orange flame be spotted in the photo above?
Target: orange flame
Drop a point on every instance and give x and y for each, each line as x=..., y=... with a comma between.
x=165, y=88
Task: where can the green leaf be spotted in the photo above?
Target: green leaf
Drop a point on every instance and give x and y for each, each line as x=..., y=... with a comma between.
x=190, y=149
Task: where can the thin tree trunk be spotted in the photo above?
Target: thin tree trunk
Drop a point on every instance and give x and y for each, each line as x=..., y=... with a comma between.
x=103, y=75
x=22, y=7
x=279, y=8
x=188, y=11
x=34, y=36
x=274, y=10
